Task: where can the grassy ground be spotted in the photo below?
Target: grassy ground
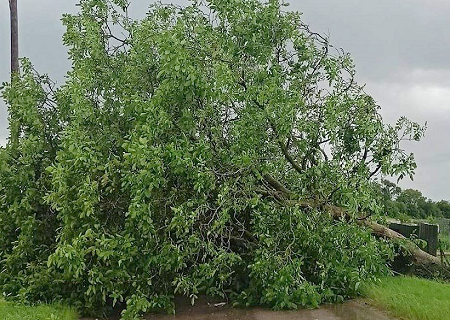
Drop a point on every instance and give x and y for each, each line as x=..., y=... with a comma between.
x=10, y=311
x=411, y=298
x=445, y=242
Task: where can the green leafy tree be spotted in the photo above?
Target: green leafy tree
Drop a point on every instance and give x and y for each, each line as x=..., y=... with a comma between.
x=387, y=193
x=390, y=190
x=414, y=203
x=178, y=158
x=444, y=207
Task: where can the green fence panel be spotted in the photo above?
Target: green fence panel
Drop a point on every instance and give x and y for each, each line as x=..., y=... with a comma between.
x=429, y=233
x=405, y=229
x=425, y=231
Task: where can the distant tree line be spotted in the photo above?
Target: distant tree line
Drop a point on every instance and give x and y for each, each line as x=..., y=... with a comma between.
x=398, y=203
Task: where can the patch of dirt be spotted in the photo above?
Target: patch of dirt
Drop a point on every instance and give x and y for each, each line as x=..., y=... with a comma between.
x=210, y=309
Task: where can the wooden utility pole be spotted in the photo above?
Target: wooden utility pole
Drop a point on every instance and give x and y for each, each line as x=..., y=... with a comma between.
x=14, y=125
x=14, y=37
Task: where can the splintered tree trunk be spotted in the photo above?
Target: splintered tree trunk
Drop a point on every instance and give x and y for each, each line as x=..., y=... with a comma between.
x=14, y=37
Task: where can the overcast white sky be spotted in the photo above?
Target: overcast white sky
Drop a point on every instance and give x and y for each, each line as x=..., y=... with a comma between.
x=401, y=49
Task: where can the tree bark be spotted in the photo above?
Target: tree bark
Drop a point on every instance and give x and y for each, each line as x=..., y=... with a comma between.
x=14, y=37
x=420, y=257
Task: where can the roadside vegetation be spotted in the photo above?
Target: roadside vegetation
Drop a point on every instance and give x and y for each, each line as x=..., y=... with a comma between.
x=411, y=298
x=12, y=311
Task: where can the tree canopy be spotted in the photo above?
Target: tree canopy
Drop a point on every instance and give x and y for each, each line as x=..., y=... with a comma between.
x=178, y=156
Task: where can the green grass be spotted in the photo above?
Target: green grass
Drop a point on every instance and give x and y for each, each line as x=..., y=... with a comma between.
x=445, y=242
x=411, y=298
x=11, y=311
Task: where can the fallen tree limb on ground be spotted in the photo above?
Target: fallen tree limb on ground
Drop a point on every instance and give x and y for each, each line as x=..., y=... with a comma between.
x=420, y=256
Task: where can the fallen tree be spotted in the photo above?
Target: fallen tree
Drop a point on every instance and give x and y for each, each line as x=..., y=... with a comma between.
x=199, y=150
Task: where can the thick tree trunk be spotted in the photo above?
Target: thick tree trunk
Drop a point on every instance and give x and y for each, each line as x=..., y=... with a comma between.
x=14, y=37
x=420, y=257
